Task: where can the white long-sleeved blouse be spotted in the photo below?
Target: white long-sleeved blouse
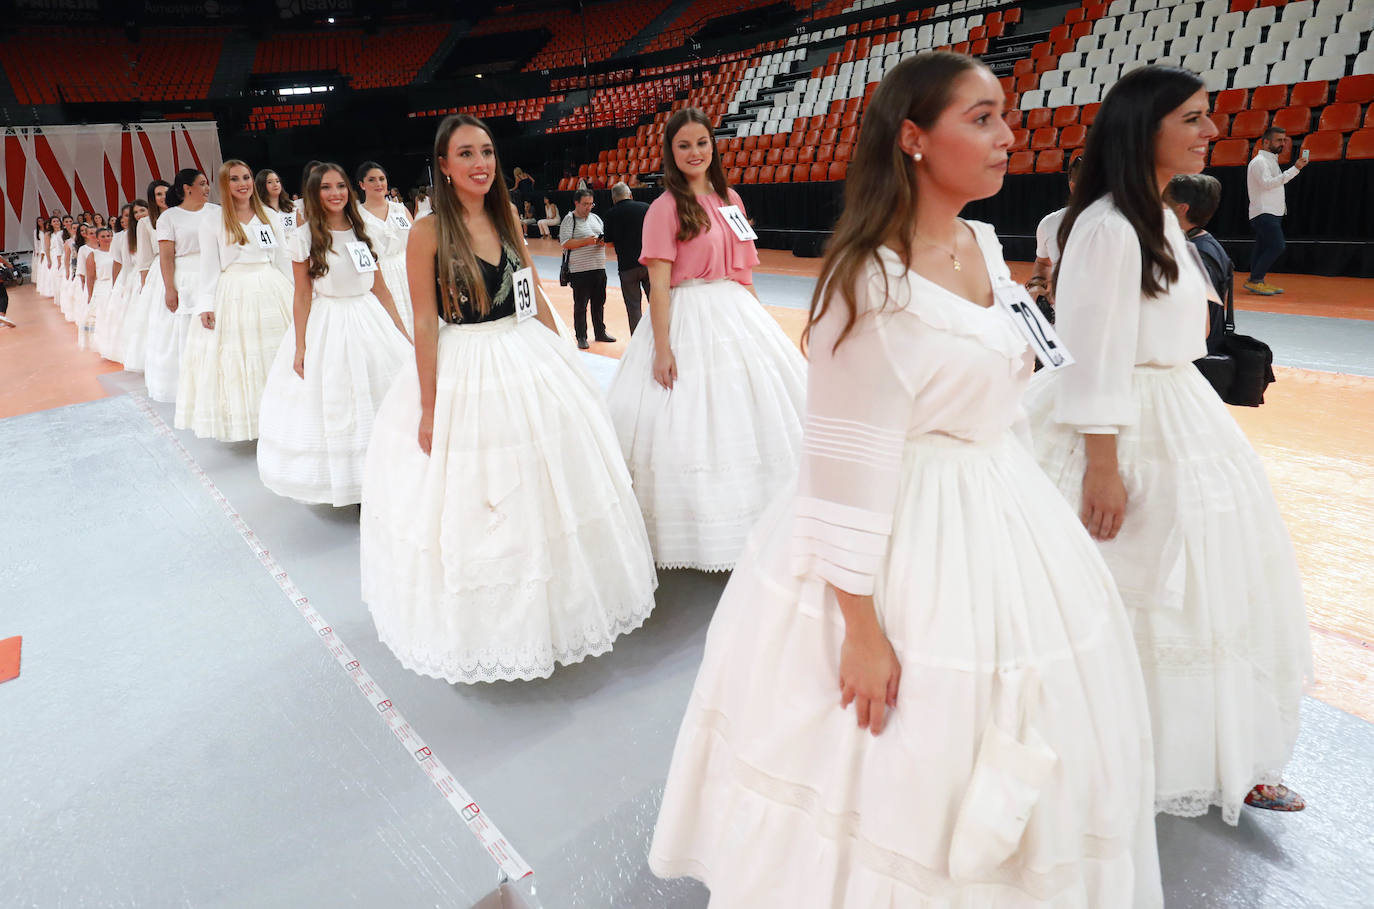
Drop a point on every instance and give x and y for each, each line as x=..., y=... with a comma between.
x=218, y=252
x=1110, y=327
x=919, y=360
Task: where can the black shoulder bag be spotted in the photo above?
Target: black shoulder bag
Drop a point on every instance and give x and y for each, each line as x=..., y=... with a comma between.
x=565, y=269
x=1240, y=367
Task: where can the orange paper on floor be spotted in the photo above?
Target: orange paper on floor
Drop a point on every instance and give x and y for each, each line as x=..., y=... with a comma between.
x=9, y=658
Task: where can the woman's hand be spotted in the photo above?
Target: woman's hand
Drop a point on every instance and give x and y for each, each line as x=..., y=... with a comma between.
x=299, y=364
x=1104, y=501
x=208, y=320
x=665, y=367
x=869, y=675
x=171, y=299
x=426, y=431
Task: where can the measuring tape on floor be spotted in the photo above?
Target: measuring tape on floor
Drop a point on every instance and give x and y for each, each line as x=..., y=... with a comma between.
x=496, y=844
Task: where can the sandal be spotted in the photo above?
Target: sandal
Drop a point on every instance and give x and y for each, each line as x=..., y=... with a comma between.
x=1275, y=798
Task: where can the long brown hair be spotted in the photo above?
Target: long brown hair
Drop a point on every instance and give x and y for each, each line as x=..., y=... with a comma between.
x=321, y=241
x=691, y=214
x=153, y=210
x=456, y=264
x=1119, y=162
x=283, y=197
x=880, y=196
x=233, y=228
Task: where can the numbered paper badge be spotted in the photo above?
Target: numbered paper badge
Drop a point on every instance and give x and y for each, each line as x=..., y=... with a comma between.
x=361, y=256
x=400, y=221
x=738, y=223
x=265, y=236
x=1039, y=334
x=522, y=286
x=288, y=220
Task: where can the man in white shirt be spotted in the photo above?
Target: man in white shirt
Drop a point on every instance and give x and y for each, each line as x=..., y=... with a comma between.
x=1265, y=181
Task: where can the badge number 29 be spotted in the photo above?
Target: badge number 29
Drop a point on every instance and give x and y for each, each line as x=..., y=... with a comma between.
x=522, y=286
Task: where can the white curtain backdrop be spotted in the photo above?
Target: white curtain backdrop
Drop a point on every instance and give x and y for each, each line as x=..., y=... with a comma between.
x=97, y=168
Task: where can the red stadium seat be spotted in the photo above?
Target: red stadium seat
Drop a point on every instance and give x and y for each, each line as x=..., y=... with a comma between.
x=838, y=169
x=1223, y=123
x=1050, y=161
x=825, y=154
x=789, y=156
x=1369, y=118
x=751, y=143
x=727, y=160
x=1065, y=116
x=774, y=157
x=1094, y=11
x=1023, y=67
x=820, y=172
x=806, y=154
x=1295, y=120
x=1080, y=29
x=1027, y=82
x=1046, y=64
x=1229, y=101
x=1250, y=124
x=1074, y=16
x=844, y=151
x=736, y=143
x=1011, y=16
x=849, y=134
x=830, y=136
x=979, y=48
x=1014, y=118
x=1045, y=138
x=783, y=174
x=734, y=176
x=1020, y=138
x=1089, y=113
x=1062, y=47
x=1243, y=6
x=1342, y=117
x=1361, y=145
x=1268, y=97
x=1059, y=33
x=1310, y=94
x=1230, y=153
x=1021, y=162
x=751, y=175
x=1323, y=146
x=1359, y=89
x=1039, y=118
x=1073, y=136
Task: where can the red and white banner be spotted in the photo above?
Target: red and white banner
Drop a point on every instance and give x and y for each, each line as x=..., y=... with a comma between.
x=95, y=168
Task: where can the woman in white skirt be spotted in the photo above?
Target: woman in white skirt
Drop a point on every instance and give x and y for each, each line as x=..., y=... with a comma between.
x=243, y=308
x=147, y=291
x=331, y=373
x=111, y=319
x=80, y=292
x=42, y=274
x=68, y=292
x=275, y=198
x=52, y=239
x=924, y=573
x=178, y=242
x=1163, y=477
x=500, y=534
x=100, y=272
x=388, y=223
x=707, y=402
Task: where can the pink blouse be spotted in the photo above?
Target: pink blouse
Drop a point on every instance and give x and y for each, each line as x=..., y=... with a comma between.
x=711, y=255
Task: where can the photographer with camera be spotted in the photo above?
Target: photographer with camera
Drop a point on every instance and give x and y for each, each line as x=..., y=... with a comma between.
x=582, y=235
x=7, y=273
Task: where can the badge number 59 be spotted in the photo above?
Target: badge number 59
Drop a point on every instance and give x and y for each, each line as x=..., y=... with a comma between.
x=522, y=285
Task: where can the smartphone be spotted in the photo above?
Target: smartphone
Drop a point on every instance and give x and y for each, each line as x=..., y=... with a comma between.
x=1306, y=153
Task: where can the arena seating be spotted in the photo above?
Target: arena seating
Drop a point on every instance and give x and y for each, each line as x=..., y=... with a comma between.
x=1306, y=66
x=391, y=58
x=702, y=11
x=49, y=66
x=284, y=116
x=526, y=110
x=614, y=23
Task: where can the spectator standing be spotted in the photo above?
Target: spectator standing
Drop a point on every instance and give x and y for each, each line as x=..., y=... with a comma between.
x=1266, y=180
x=625, y=231
x=1047, y=250
x=582, y=235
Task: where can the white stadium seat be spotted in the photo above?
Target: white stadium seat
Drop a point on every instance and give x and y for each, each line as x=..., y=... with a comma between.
x=1215, y=79
x=1260, y=16
x=1288, y=71
x=1266, y=53
x=1087, y=94
x=1059, y=97
x=1342, y=44
x=1032, y=99
x=1326, y=67
x=1252, y=75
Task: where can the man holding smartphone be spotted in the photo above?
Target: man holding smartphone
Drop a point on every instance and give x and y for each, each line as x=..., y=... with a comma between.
x=582, y=234
x=1265, y=181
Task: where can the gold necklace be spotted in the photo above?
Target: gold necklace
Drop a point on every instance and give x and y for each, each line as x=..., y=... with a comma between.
x=949, y=252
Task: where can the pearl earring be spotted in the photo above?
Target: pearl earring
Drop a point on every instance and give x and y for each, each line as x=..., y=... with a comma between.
x=916, y=156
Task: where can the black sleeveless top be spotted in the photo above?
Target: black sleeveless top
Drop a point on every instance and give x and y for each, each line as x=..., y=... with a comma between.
x=498, y=278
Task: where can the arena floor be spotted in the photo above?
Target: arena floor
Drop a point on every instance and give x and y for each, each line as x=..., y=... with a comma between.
x=180, y=735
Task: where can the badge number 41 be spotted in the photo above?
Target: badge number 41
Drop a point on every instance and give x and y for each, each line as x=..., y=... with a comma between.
x=522, y=286
x=738, y=223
